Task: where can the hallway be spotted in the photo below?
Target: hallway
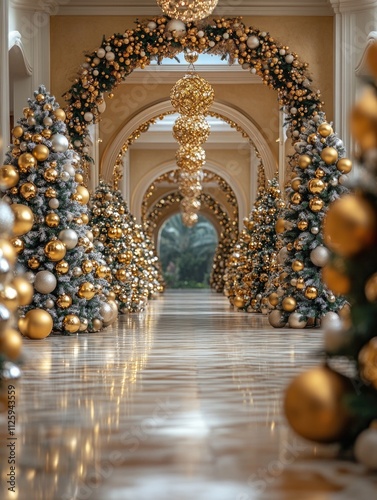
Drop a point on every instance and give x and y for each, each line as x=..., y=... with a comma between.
x=182, y=402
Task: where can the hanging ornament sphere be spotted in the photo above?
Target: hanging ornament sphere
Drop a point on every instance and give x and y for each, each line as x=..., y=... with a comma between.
x=55, y=250
x=37, y=324
x=329, y=155
x=314, y=405
x=62, y=267
x=192, y=95
x=189, y=219
x=350, y=225
x=325, y=129
x=84, y=193
x=320, y=256
x=311, y=292
x=59, y=143
x=69, y=237
x=24, y=289
x=344, y=165
x=366, y=448
x=338, y=282
x=52, y=220
x=59, y=114
x=304, y=161
x=192, y=130
x=45, y=282
x=86, y=291
x=23, y=219
x=289, y=304
x=6, y=219
x=64, y=301
x=316, y=186
x=71, y=323
x=276, y=319
x=10, y=343
x=176, y=27
x=26, y=161
x=316, y=204
x=28, y=190
x=9, y=177
x=41, y=152
x=295, y=321
x=190, y=159
x=187, y=10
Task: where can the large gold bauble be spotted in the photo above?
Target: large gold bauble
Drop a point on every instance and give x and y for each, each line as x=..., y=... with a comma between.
x=273, y=299
x=25, y=290
x=319, y=173
x=325, y=129
x=84, y=193
x=368, y=362
x=46, y=133
x=239, y=302
x=37, y=138
x=71, y=323
x=102, y=271
x=297, y=265
x=7, y=251
x=316, y=186
x=79, y=178
x=10, y=344
x=18, y=132
x=114, y=233
x=335, y=280
x=64, y=301
x=296, y=198
x=350, y=225
x=52, y=220
x=9, y=297
x=37, y=324
x=316, y=204
x=311, y=292
x=121, y=274
x=304, y=161
x=192, y=95
x=300, y=284
x=190, y=159
x=289, y=304
x=87, y=266
x=303, y=225
x=85, y=218
x=312, y=138
x=62, y=267
x=59, y=114
x=18, y=244
x=329, y=155
x=86, y=291
x=187, y=11
x=315, y=405
x=296, y=183
x=344, y=165
x=40, y=152
x=9, y=177
x=55, y=250
x=26, y=161
x=50, y=175
x=23, y=219
x=192, y=130
x=279, y=226
x=28, y=190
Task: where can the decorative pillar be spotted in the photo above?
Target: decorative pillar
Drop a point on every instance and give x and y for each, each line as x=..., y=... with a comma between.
x=4, y=80
x=125, y=182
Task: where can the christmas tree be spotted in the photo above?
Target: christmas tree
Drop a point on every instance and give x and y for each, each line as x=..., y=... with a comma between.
x=133, y=269
x=53, y=242
x=319, y=175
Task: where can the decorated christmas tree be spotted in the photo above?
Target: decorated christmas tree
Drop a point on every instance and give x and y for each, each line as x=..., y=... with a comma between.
x=133, y=275
x=319, y=174
x=53, y=239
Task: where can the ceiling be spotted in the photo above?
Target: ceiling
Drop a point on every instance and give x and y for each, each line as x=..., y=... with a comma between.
x=150, y=8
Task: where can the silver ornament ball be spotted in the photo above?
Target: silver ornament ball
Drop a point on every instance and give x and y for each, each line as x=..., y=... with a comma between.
x=59, y=143
x=276, y=319
x=45, y=282
x=295, y=321
x=320, y=256
x=69, y=237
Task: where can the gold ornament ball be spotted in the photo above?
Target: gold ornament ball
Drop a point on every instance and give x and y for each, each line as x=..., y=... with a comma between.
x=41, y=152
x=9, y=297
x=273, y=299
x=37, y=138
x=85, y=218
x=26, y=161
x=316, y=204
x=59, y=114
x=22, y=325
x=9, y=177
x=52, y=220
x=18, y=132
x=102, y=271
x=296, y=183
x=312, y=138
x=55, y=250
x=121, y=274
x=50, y=174
x=10, y=343
x=368, y=362
x=371, y=288
x=62, y=267
x=311, y=292
x=350, y=225
x=25, y=290
x=114, y=233
x=18, y=245
x=64, y=301
x=338, y=282
x=296, y=198
x=28, y=190
x=344, y=165
x=86, y=291
x=297, y=265
x=300, y=285
x=304, y=161
x=302, y=225
x=79, y=178
x=87, y=266
x=8, y=252
x=329, y=155
x=279, y=226
x=238, y=302
x=314, y=405
x=84, y=193
x=71, y=323
x=316, y=186
x=325, y=129
x=37, y=324
x=23, y=219
x=319, y=173
x=289, y=304
x=97, y=325
x=50, y=193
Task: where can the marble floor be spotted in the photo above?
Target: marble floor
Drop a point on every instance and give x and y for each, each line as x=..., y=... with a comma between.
x=181, y=402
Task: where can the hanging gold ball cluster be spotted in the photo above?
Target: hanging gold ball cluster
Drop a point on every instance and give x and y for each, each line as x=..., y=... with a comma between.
x=187, y=10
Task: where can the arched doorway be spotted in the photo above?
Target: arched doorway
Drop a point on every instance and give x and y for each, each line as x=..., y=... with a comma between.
x=186, y=254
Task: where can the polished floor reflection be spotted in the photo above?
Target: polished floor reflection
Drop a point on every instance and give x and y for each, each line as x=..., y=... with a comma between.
x=182, y=402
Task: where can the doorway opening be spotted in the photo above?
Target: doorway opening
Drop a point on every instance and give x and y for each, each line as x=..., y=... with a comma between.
x=186, y=254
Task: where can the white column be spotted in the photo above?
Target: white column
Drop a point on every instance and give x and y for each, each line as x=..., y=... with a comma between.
x=4, y=79
x=282, y=151
x=254, y=164
x=93, y=142
x=125, y=184
x=353, y=23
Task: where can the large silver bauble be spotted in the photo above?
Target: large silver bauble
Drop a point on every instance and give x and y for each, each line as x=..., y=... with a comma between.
x=67, y=167
x=69, y=237
x=53, y=203
x=45, y=282
x=276, y=319
x=106, y=313
x=6, y=219
x=282, y=255
x=320, y=256
x=294, y=321
x=366, y=448
x=59, y=143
